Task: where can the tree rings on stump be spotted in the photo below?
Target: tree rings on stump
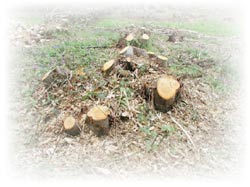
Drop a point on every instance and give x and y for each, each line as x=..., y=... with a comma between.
x=71, y=127
x=165, y=93
x=161, y=60
x=98, y=120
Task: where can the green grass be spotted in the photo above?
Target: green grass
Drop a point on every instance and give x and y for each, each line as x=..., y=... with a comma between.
x=208, y=27
x=115, y=23
x=186, y=70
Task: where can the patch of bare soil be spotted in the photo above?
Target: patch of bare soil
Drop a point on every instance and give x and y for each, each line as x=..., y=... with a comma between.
x=200, y=136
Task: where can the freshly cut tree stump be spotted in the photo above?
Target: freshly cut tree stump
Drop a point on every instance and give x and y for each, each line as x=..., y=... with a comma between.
x=108, y=66
x=165, y=93
x=145, y=37
x=129, y=37
x=98, y=120
x=127, y=51
x=71, y=127
x=144, y=40
x=151, y=54
x=161, y=60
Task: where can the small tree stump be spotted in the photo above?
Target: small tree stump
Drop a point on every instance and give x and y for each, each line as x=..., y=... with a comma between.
x=144, y=40
x=127, y=51
x=165, y=93
x=108, y=66
x=145, y=37
x=98, y=120
x=56, y=74
x=129, y=37
x=161, y=60
x=151, y=54
x=71, y=127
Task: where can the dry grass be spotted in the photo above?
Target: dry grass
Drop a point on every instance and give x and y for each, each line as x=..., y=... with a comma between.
x=192, y=139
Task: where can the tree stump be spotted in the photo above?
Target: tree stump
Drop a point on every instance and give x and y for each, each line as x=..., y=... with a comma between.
x=151, y=54
x=57, y=74
x=127, y=51
x=129, y=37
x=98, y=120
x=71, y=126
x=108, y=66
x=145, y=37
x=165, y=93
x=161, y=60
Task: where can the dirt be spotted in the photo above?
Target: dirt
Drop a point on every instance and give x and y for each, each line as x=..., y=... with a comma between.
x=40, y=148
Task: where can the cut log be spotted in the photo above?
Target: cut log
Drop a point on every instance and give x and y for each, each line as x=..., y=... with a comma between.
x=98, y=120
x=71, y=127
x=165, y=93
x=129, y=37
x=108, y=66
x=127, y=51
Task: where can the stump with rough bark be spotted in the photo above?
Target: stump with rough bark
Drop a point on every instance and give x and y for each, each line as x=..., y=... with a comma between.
x=71, y=126
x=98, y=120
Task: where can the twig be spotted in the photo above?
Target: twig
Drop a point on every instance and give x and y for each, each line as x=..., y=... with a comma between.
x=185, y=132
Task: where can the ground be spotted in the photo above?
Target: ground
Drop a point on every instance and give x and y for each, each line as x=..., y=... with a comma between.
x=207, y=61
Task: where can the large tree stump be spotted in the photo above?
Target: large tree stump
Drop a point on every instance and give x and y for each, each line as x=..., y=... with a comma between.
x=98, y=120
x=165, y=93
x=71, y=126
